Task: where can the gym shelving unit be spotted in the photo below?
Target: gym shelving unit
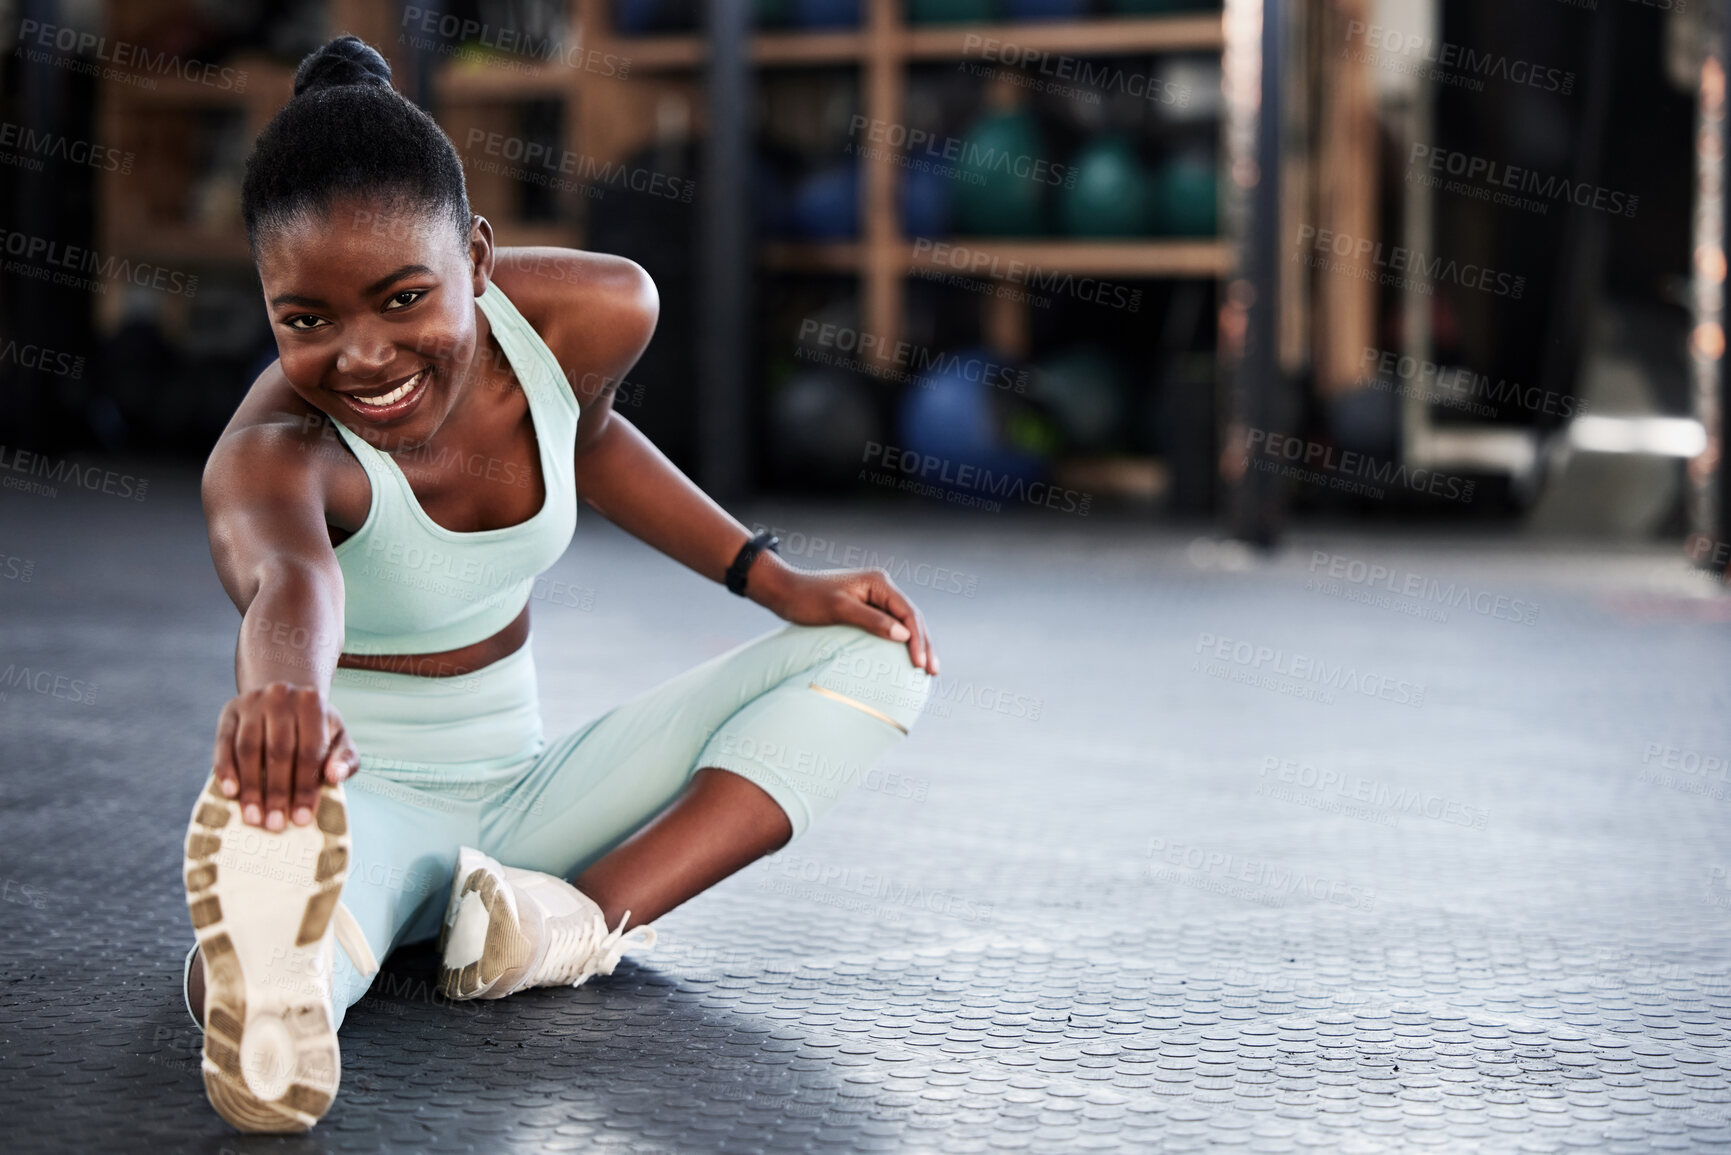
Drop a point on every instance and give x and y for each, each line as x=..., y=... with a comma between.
x=607, y=114
x=142, y=214
x=884, y=48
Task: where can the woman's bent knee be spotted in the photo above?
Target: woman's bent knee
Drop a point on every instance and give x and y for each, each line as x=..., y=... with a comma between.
x=875, y=675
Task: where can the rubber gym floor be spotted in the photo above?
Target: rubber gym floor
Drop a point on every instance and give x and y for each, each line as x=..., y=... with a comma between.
x=1191, y=852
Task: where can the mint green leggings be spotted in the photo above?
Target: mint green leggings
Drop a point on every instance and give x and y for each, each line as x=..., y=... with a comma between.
x=803, y=712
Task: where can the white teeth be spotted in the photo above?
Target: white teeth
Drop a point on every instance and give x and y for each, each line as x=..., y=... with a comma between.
x=394, y=396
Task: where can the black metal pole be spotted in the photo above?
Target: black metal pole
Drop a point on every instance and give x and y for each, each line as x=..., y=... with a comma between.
x=724, y=263
x=1720, y=515
x=1256, y=507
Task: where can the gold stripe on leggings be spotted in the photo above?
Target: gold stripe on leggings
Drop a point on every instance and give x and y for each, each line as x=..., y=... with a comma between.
x=860, y=706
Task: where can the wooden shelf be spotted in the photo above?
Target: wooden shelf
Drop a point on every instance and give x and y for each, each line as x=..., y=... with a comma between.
x=266, y=81
x=807, y=47
x=1102, y=37
x=1131, y=478
x=1126, y=258
x=1105, y=37
x=494, y=82
x=529, y=234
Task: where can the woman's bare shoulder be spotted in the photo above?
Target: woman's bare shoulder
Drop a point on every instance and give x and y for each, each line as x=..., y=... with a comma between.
x=596, y=311
x=278, y=447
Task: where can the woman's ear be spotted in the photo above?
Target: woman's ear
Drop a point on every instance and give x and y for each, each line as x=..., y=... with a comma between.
x=480, y=253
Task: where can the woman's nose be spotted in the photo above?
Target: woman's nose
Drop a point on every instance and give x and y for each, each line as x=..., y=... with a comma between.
x=363, y=354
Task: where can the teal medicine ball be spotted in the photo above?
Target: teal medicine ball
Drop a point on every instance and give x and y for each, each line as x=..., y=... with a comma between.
x=1083, y=387
x=1005, y=174
x=1186, y=195
x=1110, y=197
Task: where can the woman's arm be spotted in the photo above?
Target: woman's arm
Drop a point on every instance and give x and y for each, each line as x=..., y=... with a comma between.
x=599, y=312
x=628, y=480
x=278, y=737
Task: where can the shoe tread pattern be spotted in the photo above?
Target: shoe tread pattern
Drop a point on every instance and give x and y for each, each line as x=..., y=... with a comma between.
x=317, y=1060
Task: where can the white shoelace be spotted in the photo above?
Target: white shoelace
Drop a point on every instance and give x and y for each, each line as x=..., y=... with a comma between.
x=588, y=948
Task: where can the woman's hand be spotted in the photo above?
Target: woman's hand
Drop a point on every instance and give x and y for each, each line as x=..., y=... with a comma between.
x=274, y=746
x=866, y=598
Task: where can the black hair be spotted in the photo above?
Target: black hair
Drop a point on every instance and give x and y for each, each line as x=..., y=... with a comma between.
x=347, y=131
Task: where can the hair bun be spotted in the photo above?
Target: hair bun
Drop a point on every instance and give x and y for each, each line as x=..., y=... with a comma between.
x=345, y=60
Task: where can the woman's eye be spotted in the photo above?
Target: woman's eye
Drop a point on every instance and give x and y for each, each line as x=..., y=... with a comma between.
x=304, y=322
x=405, y=298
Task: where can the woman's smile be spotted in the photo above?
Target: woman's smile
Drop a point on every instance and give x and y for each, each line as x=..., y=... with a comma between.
x=392, y=400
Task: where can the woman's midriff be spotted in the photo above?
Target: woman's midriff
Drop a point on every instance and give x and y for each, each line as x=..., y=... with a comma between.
x=451, y=663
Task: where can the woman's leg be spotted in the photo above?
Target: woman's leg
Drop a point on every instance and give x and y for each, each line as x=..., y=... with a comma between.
x=719, y=824
x=669, y=794
x=404, y=843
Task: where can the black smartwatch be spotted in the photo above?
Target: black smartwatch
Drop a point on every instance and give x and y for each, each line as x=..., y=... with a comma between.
x=748, y=554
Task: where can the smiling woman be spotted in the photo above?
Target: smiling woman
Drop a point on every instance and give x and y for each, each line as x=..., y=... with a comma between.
x=400, y=325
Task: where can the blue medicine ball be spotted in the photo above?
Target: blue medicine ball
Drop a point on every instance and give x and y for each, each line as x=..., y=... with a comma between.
x=826, y=205
x=826, y=13
x=958, y=414
x=925, y=203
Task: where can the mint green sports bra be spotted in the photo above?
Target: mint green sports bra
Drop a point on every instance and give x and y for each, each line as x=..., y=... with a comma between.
x=410, y=585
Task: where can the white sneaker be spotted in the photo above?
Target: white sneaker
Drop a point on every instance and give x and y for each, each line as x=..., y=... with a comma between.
x=264, y=905
x=507, y=930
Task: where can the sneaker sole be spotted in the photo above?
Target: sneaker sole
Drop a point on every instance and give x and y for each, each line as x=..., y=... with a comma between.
x=261, y=903
x=506, y=948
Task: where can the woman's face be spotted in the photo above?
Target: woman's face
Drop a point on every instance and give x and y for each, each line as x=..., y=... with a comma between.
x=373, y=308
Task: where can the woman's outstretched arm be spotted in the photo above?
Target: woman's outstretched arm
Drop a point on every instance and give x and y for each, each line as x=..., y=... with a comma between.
x=278, y=737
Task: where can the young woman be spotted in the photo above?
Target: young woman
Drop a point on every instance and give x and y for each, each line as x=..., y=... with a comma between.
x=379, y=508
